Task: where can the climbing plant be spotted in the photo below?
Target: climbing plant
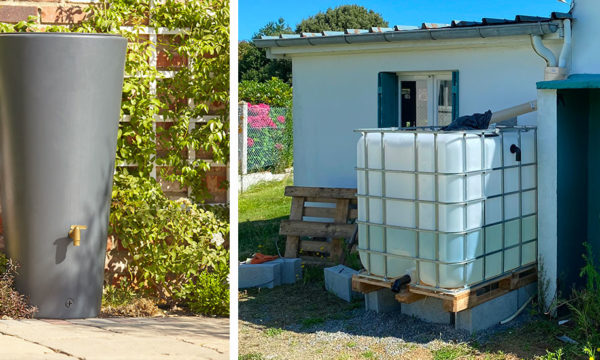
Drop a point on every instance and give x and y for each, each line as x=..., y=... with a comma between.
x=177, y=252
x=199, y=86
x=199, y=55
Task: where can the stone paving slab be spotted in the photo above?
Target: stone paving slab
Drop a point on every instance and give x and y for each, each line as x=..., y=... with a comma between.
x=184, y=337
x=15, y=348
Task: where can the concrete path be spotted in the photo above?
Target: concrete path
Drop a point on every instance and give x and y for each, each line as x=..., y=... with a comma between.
x=184, y=337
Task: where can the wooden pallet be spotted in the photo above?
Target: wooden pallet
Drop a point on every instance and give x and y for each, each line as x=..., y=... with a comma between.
x=460, y=300
x=366, y=285
x=337, y=227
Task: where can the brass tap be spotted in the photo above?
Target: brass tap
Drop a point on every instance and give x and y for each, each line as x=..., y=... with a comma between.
x=75, y=233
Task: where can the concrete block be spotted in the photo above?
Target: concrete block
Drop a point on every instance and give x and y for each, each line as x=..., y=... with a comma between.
x=259, y=275
x=489, y=313
x=338, y=280
x=291, y=269
x=526, y=292
x=381, y=301
x=429, y=309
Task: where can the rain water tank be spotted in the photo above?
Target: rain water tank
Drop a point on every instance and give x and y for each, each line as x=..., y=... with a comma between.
x=451, y=209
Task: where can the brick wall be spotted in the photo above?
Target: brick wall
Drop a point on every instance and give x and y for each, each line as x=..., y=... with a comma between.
x=48, y=11
x=61, y=12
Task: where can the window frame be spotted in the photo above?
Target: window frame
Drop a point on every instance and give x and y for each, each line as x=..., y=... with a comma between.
x=389, y=103
x=432, y=78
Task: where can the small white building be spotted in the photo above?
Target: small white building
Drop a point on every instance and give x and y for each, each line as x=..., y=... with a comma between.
x=335, y=77
x=427, y=76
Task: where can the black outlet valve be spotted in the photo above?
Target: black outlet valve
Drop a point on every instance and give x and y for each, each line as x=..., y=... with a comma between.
x=514, y=149
x=399, y=283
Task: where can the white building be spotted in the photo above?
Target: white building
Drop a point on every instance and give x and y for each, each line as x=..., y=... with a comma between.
x=335, y=79
x=426, y=76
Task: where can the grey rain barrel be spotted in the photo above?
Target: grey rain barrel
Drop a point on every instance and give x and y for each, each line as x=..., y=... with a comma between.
x=60, y=96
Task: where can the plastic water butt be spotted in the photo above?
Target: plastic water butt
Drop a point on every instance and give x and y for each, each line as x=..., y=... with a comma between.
x=60, y=96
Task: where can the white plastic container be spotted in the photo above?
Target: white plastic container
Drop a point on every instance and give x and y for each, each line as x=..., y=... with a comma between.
x=451, y=208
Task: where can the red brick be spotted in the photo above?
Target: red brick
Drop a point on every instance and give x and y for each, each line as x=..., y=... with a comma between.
x=164, y=61
x=38, y=1
x=59, y=14
x=167, y=56
x=14, y=14
x=204, y=154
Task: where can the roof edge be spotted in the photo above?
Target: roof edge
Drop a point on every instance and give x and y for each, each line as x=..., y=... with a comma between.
x=538, y=28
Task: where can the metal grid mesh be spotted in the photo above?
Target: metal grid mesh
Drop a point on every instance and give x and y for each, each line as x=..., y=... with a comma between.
x=265, y=137
x=420, y=259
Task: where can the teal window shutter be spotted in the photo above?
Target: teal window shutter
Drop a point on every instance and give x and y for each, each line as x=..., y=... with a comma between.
x=387, y=100
x=455, y=95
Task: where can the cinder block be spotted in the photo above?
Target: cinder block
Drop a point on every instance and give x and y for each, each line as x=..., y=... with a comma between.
x=526, y=292
x=381, y=301
x=429, y=309
x=338, y=280
x=489, y=313
x=291, y=270
x=259, y=275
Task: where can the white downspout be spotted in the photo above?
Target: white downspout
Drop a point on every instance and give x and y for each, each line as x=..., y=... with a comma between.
x=544, y=52
x=566, y=49
x=555, y=69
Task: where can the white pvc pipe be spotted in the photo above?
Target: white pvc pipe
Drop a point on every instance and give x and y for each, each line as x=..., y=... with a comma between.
x=543, y=51
x=514, y=111
x=518, y=311
x=566, y=49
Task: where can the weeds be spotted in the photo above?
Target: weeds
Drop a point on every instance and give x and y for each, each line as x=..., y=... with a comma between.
x=271, y=332
x=585, y=303
x=451, y=352
x=12, y=304
x=251, y=356
x=309, y=322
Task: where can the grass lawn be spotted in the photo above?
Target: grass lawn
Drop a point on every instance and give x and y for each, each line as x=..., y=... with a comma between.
x=261, y=209
x=303, y=321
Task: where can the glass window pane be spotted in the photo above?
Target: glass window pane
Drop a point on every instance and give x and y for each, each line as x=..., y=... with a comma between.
x=444, y=102
x=422, y=96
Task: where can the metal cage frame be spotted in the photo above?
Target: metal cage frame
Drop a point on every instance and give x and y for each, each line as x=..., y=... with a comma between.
x=435, y=131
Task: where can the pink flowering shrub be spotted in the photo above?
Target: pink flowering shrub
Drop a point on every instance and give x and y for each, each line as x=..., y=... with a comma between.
x=258, y=116
x=266, y=138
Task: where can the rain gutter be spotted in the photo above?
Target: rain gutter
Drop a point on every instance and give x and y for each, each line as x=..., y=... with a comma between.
x=536, y=29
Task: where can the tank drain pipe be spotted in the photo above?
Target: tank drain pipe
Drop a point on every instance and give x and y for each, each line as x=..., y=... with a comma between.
x=518, y=311
x=512, y=112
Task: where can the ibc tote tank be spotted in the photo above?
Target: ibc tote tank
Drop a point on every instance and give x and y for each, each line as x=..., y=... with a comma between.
x=451, y=209
x=60, y=96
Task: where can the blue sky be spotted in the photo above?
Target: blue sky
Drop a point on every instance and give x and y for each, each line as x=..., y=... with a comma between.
x=253, y=14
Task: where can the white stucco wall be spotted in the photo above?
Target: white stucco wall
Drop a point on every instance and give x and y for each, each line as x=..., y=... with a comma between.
x=547, y=187
x=336, y=93
x=586, y=43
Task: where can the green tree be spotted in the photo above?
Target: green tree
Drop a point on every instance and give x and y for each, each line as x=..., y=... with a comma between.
x=274, y=29
x=274, y=92
x=253, y=63
x=341, y=18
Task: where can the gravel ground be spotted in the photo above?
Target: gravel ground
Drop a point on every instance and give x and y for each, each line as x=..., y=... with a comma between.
x=366, y=334
x=393, y=326
x=304, y=321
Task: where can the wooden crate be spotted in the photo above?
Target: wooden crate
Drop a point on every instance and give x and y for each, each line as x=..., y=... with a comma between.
x=458, y=301
x=337, y=227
